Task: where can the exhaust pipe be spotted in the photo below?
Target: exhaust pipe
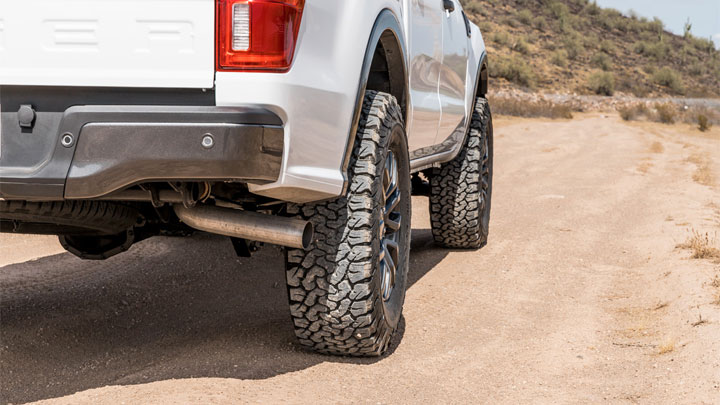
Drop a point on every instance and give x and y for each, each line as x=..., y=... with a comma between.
x=248, y=225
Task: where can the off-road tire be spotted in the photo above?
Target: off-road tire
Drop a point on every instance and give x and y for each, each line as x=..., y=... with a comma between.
x=335, y=289
x=68, y=217
x=461, y=189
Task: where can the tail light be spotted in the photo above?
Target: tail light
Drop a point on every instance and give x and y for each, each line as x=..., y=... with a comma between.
x=257, y=34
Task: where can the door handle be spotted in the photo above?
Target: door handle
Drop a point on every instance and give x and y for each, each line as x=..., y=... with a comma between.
x=449, y=5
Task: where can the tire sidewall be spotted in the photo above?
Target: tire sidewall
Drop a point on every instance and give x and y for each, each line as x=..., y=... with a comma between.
x=485, y=215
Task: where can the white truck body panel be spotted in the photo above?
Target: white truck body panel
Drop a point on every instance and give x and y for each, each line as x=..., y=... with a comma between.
x=108, y=43
x=423, y=30
x=171, y=44
x=316, y=98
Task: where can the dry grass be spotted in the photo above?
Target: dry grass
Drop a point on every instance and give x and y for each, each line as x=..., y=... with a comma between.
x=666, y=113
x=668, y=346
x=699, y=322
x=657, y=147
x=644, y=167
x=670, y=113
x=716, y=284
x=702, y=246
x=531, y=109
x=703, y=174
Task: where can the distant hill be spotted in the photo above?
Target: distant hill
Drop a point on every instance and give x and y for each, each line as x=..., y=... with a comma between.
x=576, y=46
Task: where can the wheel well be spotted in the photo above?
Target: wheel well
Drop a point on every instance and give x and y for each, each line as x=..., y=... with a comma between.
x=387, y=70
x=483, y=87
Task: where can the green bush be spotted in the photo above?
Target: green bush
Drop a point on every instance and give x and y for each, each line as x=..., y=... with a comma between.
x=632, y=112
x=592, y=9
x=501, y=38
x=521, y=46
x=602, y=83
x=559, y=58
x=514, y=70
x=573, y=46
x=601, y=61
x=657, y=50
x=608, y=47
x=666, y=113
x=702, y=44
x=540, y=23
x=668, y=78
x=703, y=123
x=525, y=17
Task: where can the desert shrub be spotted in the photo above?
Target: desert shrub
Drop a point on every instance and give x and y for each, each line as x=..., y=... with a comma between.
x=601, y=61
x=656, y=26
x=608, y=47
x=559, y=10
x=525, y=16
x=622, y=23
x=703, y=123
x=605, y=20
x=531, y=109
x=632, y=112
x=573, y=46
x=702, y=44
x=589, y=40
x=602, y=83
x=485, y=27
x=666, y=113
x=657, y=50
x=627, y=113
x=592, y=9
x=668, y=78
x=559, y=58
x=514, y=70
x=521, y=46
x=511, y=22
x=696, y=69
x=502, y=38
x=540, y=23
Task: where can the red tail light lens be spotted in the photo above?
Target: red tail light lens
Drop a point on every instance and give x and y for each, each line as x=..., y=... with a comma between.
x=257, y=34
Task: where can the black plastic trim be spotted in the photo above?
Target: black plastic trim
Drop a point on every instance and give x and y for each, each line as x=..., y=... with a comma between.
x=60, y=98
x=35, y=165
x=113, y=156
x=385, y=22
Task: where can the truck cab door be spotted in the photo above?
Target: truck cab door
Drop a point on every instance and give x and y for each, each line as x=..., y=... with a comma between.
x=453, y=72
x=425, y=27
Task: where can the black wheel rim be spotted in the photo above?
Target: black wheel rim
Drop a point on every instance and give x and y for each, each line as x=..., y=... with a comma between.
x=390, y=223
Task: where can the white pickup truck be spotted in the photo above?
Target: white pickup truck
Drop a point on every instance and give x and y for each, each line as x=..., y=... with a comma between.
x=307, y=124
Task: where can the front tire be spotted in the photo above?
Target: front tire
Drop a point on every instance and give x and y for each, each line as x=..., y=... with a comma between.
x=461, y=189
x=346, y=294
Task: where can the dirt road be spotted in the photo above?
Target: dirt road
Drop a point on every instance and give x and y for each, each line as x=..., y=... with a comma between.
x=573, y=301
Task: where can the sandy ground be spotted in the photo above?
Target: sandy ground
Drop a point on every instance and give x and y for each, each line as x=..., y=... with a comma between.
x=579, y=291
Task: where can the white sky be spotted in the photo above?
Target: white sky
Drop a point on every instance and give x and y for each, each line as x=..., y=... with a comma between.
x=704, y=15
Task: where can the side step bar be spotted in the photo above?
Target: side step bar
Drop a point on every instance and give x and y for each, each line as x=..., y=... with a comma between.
x=248, y=225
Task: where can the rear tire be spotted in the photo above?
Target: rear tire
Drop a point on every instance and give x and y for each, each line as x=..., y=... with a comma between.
x=461, y=189
x=345, y=297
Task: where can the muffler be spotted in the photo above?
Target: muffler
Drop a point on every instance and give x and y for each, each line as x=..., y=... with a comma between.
x=289, y=232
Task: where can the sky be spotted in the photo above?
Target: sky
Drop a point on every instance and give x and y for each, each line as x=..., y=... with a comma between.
x=704, y=15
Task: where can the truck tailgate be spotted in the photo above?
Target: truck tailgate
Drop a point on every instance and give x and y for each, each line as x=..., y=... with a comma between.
x=108, y=43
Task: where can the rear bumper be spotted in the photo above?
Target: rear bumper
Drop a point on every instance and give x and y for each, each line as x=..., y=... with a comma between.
x=114, y=147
